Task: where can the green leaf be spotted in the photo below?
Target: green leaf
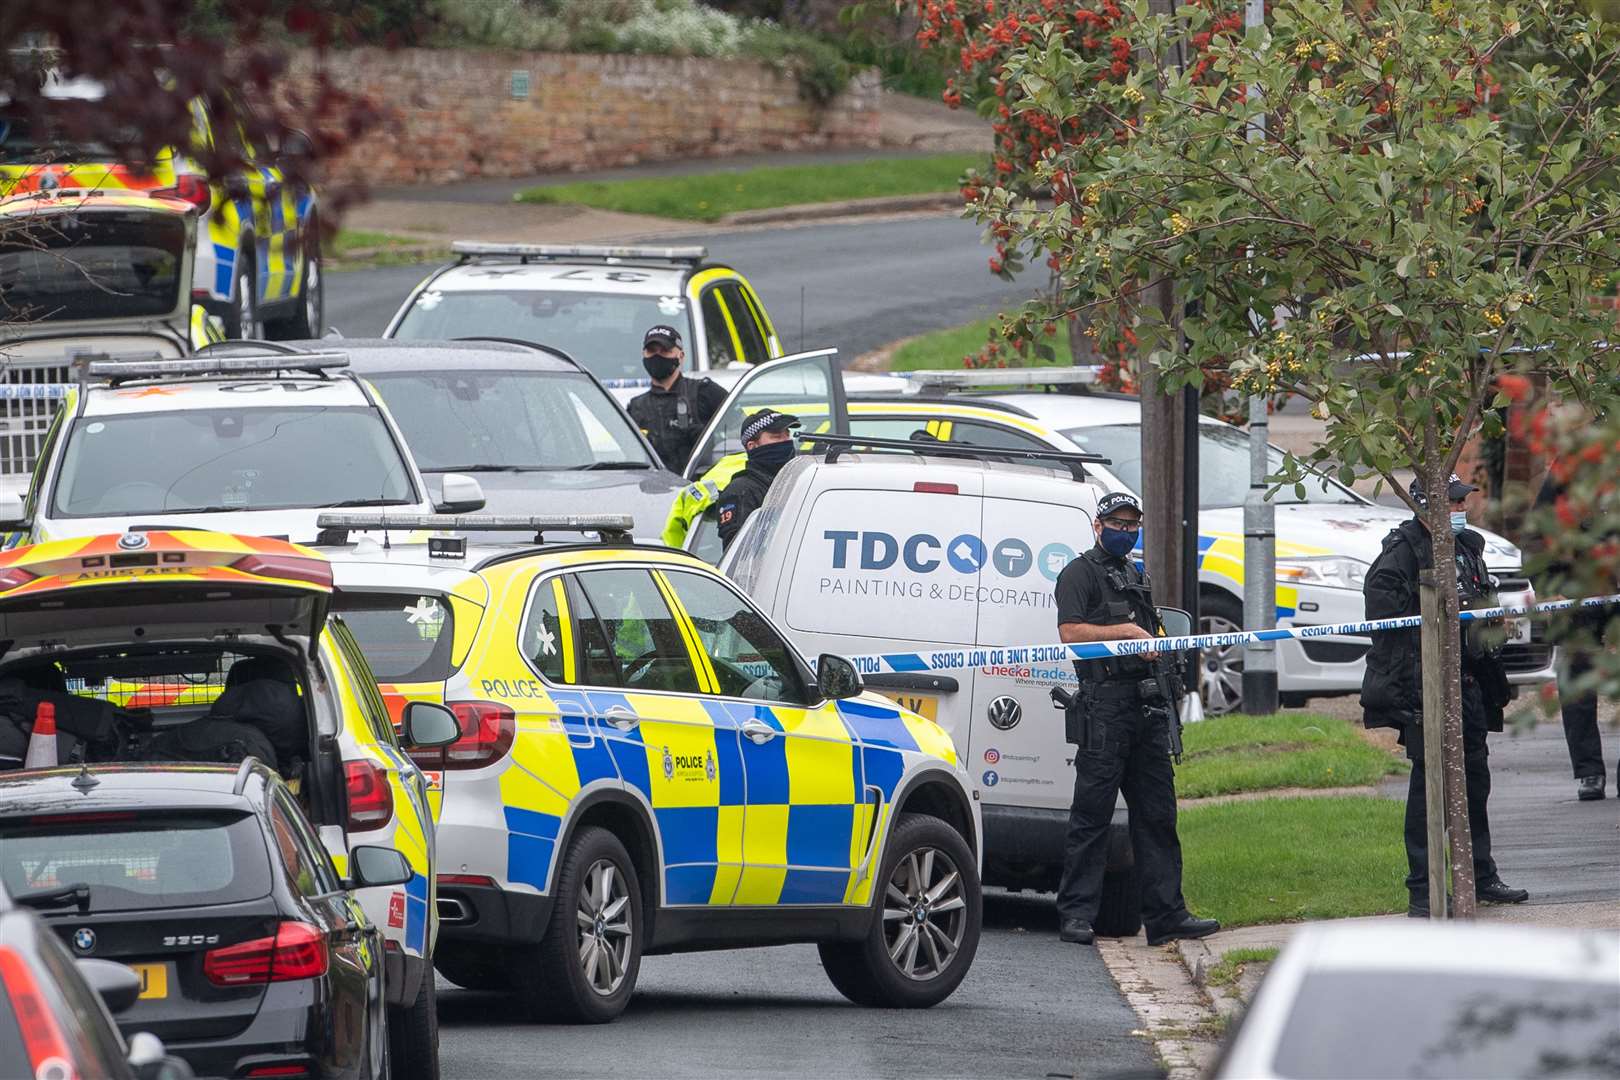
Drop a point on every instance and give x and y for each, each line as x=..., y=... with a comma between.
x=1395, y=311
x=1404, y=266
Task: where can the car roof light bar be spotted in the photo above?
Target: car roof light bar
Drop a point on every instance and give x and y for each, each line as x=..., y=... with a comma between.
x=470, y=249
x=963, y=379
x=114, y=368
x=335, y=528
x=838, y=445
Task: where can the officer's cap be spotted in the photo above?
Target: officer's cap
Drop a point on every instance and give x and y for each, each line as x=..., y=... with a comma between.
x=661, y=337
x=1118, y=500
x=766, y=420
x=1455, y=490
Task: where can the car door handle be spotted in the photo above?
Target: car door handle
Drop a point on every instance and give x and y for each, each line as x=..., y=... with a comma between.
x=758, y=730
x=622, y=718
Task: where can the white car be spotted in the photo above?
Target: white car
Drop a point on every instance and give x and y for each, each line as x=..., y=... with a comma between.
x=258, y=441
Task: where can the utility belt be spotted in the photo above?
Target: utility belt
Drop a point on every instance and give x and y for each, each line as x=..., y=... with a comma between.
x=1124, y=690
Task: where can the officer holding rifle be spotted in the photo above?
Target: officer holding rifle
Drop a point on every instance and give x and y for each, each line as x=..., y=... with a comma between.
x=1123, y=720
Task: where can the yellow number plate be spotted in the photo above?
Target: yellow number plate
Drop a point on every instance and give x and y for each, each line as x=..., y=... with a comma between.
x=924, y=705
x=154, y=980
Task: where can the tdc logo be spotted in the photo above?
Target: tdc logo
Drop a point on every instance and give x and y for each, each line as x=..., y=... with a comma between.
x=924, y=553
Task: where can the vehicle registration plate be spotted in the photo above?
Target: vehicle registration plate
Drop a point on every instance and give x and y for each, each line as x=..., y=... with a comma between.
x=924, y=705
x=1518, y=631
x=154, y=980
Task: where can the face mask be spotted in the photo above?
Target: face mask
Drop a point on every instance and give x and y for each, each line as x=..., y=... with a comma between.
x=772, y=455
x=1118, y=542
x=660, y=367
x=1459, y=521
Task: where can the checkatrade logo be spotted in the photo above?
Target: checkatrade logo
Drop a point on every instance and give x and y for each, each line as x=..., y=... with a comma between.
x=925, y=553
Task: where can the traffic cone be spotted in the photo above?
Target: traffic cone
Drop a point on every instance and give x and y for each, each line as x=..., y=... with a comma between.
x=42, y=743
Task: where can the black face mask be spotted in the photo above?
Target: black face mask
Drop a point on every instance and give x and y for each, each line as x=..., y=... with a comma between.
x=660, y=367
x=772, y=456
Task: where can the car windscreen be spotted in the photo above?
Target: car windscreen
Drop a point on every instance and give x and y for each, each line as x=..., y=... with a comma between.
x=133, y=861
x=1474, y=1025
x=225, y=460
x=1223, y=464
x=101, y=264
x=601, y=330
x=405, y=638
x=463, y=420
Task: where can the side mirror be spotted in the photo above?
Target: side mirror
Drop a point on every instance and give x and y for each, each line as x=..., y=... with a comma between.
x=459, y=494
x=1177, y=623
x=371, y=865
x=114, y=983
x=148, y=1060
x=428, y=725
x=836, y=678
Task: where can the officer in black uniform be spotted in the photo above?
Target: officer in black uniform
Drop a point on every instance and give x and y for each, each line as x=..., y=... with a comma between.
x=1392, y=688
x=1120, y=720
x=767, y=436
x=674, y=412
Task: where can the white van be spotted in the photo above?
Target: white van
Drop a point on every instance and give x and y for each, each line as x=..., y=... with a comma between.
x=870, y=552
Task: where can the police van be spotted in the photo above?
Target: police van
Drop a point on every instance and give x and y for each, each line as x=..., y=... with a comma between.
x=865, y=553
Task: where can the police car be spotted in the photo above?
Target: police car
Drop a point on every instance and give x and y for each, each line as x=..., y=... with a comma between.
x=594, y=303
x=647, y=765
x=254, y=444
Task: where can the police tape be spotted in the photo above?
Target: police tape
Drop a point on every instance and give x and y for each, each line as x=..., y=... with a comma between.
x=33, y=391
x=956, y=659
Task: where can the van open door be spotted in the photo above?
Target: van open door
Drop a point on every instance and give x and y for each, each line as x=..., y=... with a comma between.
x=809, y=385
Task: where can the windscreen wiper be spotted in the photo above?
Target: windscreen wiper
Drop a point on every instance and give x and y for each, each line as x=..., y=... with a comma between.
x=360, y=502
x=607, y=466
x=484, y=468
x=77, y=894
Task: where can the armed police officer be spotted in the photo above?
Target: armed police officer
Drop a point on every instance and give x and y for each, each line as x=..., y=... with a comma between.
x=1122, y=720
x=767, y=436
x=1392, y=688
x=676, y=409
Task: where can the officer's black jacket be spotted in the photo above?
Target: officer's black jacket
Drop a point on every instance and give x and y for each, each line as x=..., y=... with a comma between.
x=1084, y=594
x=673, y=419
x=745, y=494
x=1392, y=688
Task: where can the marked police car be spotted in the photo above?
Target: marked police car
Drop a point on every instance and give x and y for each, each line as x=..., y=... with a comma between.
x=257, y=444
x=594, y=303
x=648, y=765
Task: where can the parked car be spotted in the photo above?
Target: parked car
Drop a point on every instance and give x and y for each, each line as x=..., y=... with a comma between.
x=1458, y=1000
x=254, y=957
x=594, y=303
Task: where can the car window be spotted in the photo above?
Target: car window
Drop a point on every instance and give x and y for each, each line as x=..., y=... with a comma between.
x=716, y=335
x=544, y=421
x=802, y=389
x=298, y=862
x=704, y=538
x=368, y=697
x=155, y=860
x=975, y=433
x=546, y=639
x=220, y=460
x=311, y=852
x=405, y=638
x=638, y=631
x=602, y=330
x=112, y=265
x=749, y=657
x=751, y=333
x=890, y=427
x=757, y=309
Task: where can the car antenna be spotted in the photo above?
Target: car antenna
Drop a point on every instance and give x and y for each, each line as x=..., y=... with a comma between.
x=84, y=782
x=801, y=318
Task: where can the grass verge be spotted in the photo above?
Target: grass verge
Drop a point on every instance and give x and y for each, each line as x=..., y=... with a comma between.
x=355, y=248
x=711, y=196
x=1284, y=860
x=949, y=348
x=1226, y=755
x=1230, y=968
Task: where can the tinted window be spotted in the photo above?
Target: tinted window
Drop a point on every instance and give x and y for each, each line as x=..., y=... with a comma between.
x=531, y=420
x=601, y=330
x=715, y=332
x=640, y=633
x=752, y=334
x=1223, y=464
x=100, y=265
x=404, y=638
x=159, y=861
x=1447, y=1025
x=976, y=434
x=229, y=459
x=749, y=657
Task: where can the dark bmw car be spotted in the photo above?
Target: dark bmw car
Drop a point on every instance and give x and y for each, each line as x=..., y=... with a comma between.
x=208, y=881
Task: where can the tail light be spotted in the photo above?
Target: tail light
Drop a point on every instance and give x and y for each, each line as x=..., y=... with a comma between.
x=191, y=189
x=487, y=730
x=297, y=951
x=13, y=576
x=47, y=1050
x=371, y=800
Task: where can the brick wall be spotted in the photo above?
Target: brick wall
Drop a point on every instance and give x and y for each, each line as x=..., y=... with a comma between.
x=467, y=113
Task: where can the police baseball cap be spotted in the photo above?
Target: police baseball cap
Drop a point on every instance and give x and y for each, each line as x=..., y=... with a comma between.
x=766, y=420
x=661, y=337
x=1118, y=500
x=1455, y=489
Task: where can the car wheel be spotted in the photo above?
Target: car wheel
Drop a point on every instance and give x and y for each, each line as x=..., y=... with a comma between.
x=309, y=319
x=413, y=1035
x=584, y=969
x=475, y=967
x=1222, y=682
x=926, y=926
x=242, y=319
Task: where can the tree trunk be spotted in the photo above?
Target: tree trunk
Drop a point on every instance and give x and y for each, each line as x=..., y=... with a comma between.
x=1163, y=455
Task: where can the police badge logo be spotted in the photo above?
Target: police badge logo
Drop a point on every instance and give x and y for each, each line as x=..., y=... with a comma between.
x=708, y=766
x=669, y=764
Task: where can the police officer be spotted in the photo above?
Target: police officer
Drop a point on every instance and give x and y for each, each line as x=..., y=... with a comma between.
x=767, y=436
x=1392, y=688
x=676, y=409
x=1120, y=723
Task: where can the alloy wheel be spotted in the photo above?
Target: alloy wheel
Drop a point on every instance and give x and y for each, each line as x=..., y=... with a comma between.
x=605, y=933
x=924, y=914
x=1223, y=668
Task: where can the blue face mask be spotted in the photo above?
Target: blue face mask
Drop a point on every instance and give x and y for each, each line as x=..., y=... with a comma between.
x=1459, y=521
x=1118, y=542
x=772, y=455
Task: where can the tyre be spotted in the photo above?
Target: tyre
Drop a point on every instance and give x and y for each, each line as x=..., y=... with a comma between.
x=584, y=969
x=475, y=967
x=927, y=923
x=413, y=1035
x=242, y=317
x=308, y=318
x=1120, y=912
x=1222, y=682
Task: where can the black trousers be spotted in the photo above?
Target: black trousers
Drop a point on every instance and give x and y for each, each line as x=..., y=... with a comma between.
x=1477, y=774
x=1126, y=751
x=1580, y=712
